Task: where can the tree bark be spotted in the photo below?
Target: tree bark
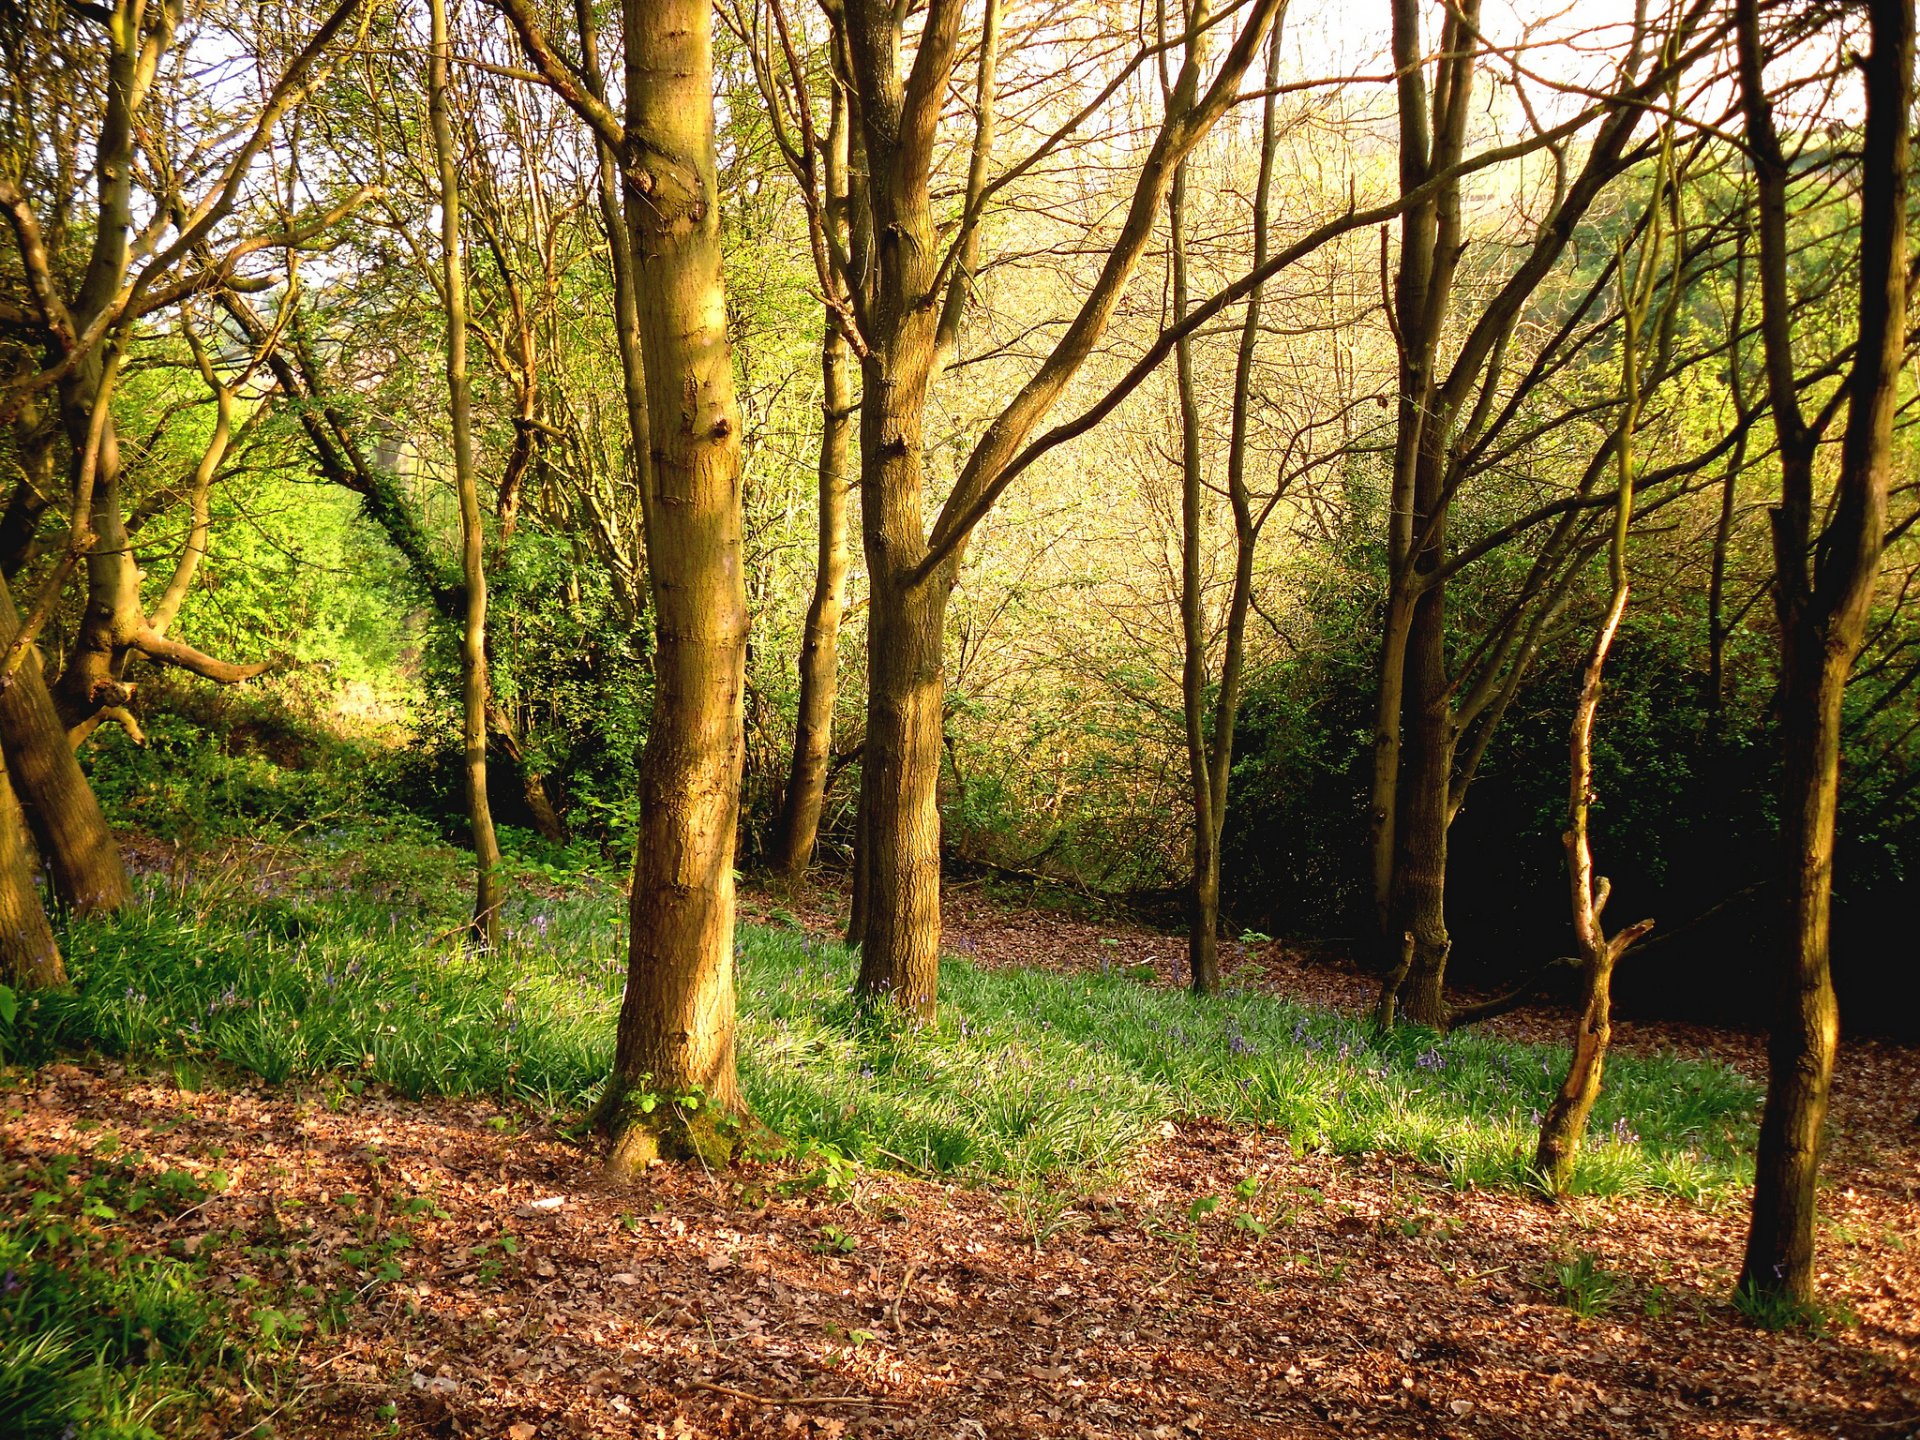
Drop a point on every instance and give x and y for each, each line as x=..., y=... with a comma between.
x=676, y=1033
x=1823, y=617
x=81, y=856
x=911, y=572
x=1413, y=743
x=473, y=571
x=806, y=787
x=29, y=956
x=1203, y=902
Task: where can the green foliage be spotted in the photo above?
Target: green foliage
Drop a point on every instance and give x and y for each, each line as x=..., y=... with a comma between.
x=1583, y=1287
x=97, y=1339
x=221, y=762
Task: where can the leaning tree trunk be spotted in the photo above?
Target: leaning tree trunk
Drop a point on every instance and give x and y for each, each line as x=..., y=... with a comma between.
x=81, y=856
x=473, y=571
x=1823, y=618
x=1565, y=1124
x=29, y=957
x=676, y=1035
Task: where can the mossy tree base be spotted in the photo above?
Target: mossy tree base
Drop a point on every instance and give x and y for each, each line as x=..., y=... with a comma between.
x=645, y=1129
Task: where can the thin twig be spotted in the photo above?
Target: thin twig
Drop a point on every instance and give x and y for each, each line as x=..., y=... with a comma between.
x=799, y=1399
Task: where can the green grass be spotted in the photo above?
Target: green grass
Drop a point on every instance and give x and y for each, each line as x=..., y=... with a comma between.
x=340, y=958
x=96, y=1339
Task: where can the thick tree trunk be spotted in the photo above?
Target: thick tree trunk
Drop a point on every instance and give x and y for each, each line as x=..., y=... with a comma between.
x=676, y=1034
x=1412, y=667
x=29, y=956
x=820, y=648
x=900, y=766
x=1822, y=618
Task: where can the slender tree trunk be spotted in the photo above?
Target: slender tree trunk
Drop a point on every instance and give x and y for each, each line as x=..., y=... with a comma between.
x=820, y=648
x=1211, y=755
x=29, y=956
x=1203, y=898
x=857, y=880
x=1822, y=620
x=473, y=572
x=1565, y=1124
x=676, y=1034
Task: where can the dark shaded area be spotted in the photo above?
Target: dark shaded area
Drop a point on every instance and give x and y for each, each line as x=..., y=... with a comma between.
x=1684, y=825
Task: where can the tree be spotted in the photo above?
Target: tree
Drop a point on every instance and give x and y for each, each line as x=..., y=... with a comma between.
x=825, y=182
x=1565, y=1123
x=473, y=573
x=674, y=1088
x=1824, y=583
x=1210, y=736
x=1437, y=707
x=898, y=302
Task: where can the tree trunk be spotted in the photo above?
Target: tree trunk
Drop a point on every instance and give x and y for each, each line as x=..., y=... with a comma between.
x=1565, y=1125
x=857, y=880
x=29, y=957
x=81, y=856
x=676, y=1035
x=900, y=769
x=1822, y=619
x=820, y=649
x=1203, y=899
x=473, y=573
x=806, y=787
x=1424, y=813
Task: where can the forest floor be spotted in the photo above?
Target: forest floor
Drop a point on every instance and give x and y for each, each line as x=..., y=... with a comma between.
x=1227, y=1284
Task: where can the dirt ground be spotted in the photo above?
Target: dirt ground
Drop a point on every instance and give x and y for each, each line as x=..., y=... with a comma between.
x=1346, y=1297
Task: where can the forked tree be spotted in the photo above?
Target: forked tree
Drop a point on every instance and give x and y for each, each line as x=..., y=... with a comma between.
x=898, y=297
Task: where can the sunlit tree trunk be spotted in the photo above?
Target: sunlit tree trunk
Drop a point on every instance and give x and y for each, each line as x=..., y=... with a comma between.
x=1823, y=613
x=473, y=573
x=912, y=572
x=1203, y=901
x=676, y=1033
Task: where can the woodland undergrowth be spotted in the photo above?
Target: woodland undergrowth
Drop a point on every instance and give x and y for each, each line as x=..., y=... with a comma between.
x=336, y=958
